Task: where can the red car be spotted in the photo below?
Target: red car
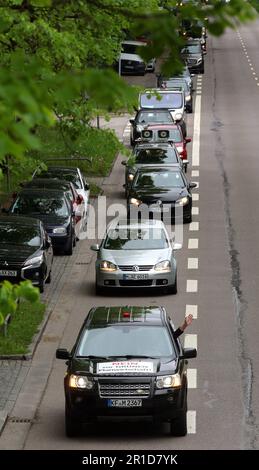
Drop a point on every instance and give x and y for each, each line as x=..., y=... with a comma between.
x=166, y=133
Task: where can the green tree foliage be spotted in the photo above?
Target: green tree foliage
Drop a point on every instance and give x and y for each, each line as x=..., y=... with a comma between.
x=11, y=293
x=57, y=57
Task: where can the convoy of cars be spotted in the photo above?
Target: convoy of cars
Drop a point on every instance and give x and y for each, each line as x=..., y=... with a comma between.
x=126, y=361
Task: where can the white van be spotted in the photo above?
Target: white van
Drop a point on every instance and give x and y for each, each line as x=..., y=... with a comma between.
x=131, y=63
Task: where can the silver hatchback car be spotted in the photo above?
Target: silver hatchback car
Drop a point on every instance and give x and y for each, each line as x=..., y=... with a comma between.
x=136, y=255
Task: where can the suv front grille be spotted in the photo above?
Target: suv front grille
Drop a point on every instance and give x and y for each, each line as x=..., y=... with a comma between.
x=124, y=390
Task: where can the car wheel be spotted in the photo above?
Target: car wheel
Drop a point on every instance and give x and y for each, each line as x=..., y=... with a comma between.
x=132, y=142
x=69, y=249
x=41, y=287
x=185, y=168
x=173, y=289
x=178, y=426
x=190, y=109
x=74, y=241
x=72, y=428
x=48, y=280
x=188, y=220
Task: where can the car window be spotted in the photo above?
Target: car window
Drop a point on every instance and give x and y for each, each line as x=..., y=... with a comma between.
x=154, y=117
x=165, y=100
x=64, y=175
x=19, y=235
x=136, y=239
x=156, y=156
x=162, y=179
x=26, y=204
x=192, y=49
x=121, y=340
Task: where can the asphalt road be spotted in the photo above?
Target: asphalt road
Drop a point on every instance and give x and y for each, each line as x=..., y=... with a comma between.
x=217, y=282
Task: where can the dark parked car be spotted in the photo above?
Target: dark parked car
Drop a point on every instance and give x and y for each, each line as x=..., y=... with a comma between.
x=161, y=188
x=192, y=53
x=150, y=154
x=25, y=251
x=54, y=209
x=126, y=363
x=145, y=117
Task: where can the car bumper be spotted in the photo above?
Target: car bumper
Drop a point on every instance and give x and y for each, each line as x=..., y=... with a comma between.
x=122, y=279
x=59, y=241
x=163, y=406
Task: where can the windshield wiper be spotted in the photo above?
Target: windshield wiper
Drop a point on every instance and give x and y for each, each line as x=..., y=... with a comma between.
x=137, y=356
x=93, y=357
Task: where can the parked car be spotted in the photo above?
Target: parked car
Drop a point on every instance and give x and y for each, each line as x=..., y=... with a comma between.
x=70, y=191
x=54, y=209
x=145, y=117
x=126, y=363
x=130, y=61
x=173, y=100
x=25, y=251
x=161, y=188
x=167, y=133
x=136, y=254
x=75, y=176
x=193, y=55
x=146, y=154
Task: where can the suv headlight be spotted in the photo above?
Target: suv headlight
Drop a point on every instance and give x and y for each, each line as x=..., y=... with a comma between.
x=140, y=127
x=60, y=230
x=135, y=202
x=188, y=98
x=178, y=116
x=107, y=266
x=36, y=261
x=199, y=61
x=163, y=266
x=80, y=381
x=130, y=176
x=169, y=381
x=182, y=201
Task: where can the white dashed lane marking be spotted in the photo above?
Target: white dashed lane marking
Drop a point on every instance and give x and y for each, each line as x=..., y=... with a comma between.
x=192, y=378
x=191, y=285
x=191, y=309
x=190, y=341
x=193, y=243
x=195, y=210
x=195, y=197
x=191, y=422
x=193, y=263
x=194, y=226
x=196, y=173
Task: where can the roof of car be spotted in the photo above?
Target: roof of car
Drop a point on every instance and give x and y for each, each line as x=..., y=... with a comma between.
x=149, y=168
x=19, y=220
x=124, y=223
x=63, y=168
x=45, y=191
x=126, y=314
x=134, y=43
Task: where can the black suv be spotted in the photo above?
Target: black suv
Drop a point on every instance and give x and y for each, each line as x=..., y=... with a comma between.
x=192, y=53
x=126, y=362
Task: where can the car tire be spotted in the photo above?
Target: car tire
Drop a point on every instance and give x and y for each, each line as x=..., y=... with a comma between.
x=41, y=287
x=178, y=426
x=190, y=109
x=48, y=280
x=173, y=288
x=72, y=428
x=74, y=241
x=185, y=168
x=69, y=249
x=188, y=220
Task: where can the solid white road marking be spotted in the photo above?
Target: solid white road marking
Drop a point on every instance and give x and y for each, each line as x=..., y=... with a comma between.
x=191, y=422
x=192, y=378
x=196, y=173
x=195, y=197
x=193, y=243
x=191, y=285
x=193, y=263
x=195, y=210
x=196, y=132
x=190, y=341
x=194, y=226
x=191, y=309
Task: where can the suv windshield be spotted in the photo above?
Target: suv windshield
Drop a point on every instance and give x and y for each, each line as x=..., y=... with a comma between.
x=121, y=340
x=154, y=117
x=64, y=175
x=156, y=155
x=19, y=235
x=162, y=179
x=165, y=100
x=192, y=49
x=130, y=48
x=136, y=239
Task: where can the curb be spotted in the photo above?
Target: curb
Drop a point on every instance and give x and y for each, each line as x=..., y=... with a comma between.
x=3, y=419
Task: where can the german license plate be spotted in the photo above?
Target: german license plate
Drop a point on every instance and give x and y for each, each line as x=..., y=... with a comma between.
x=135, y=276
x=124, y=403
x=129, y=67
x=6, y=272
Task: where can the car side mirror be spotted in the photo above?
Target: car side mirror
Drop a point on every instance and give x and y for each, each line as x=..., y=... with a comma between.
x=192, y=185
x=95, y=247
x=124, y=162
x=188, y=140
x=62, y=354
x=189, y=353
x=79, y=199
x=177, y=246
x=132, y=121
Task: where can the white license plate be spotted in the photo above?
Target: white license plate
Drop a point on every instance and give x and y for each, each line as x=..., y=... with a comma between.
x=128, y=66
x=124, y=403
x=6, y=272
x=135, y=276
